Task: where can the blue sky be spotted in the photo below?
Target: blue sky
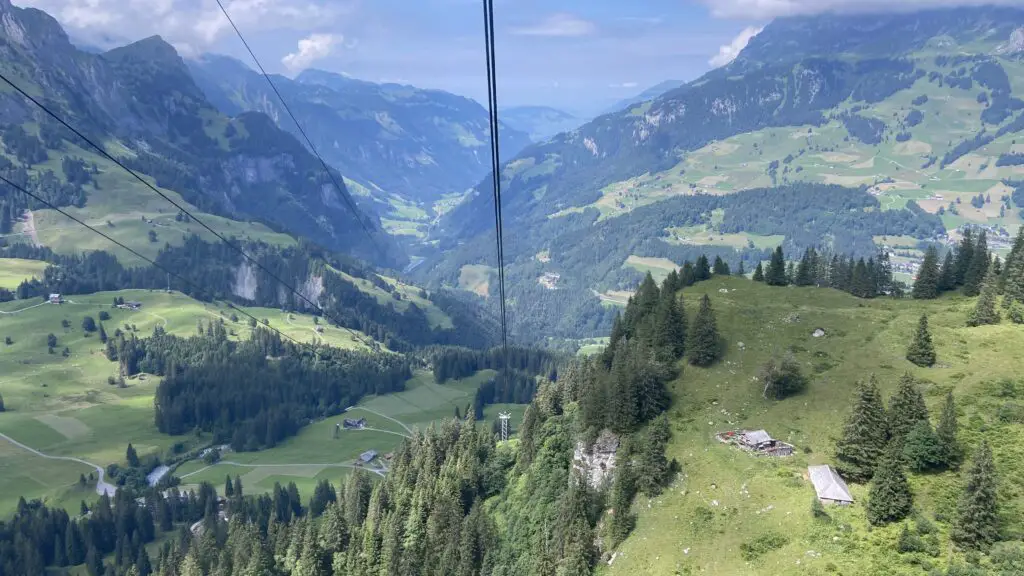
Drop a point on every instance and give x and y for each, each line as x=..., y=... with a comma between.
x=579, y=55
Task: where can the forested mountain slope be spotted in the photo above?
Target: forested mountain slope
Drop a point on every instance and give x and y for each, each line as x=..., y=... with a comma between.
x=920, y=111
x=140, y=102
x=391, y=138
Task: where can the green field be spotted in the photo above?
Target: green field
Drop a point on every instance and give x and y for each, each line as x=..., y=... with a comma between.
x=315, y=453
x=65, y=407
x=726, y=498
x=14, y=271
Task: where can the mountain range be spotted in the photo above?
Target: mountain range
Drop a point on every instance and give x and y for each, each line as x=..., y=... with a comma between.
x=391, y=138
x=836, y=131
x=141, y=102
x=540, y=122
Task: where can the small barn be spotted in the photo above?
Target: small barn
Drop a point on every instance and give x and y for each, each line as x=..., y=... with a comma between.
x=829, y=486
x=756, y=439
x=368, y=456
x=56, y=299
x=352, y=423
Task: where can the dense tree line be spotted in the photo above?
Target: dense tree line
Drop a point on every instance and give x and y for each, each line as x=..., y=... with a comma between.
x=864, y=279
x=255, y=393
x=37, y=536
x=43, y=183
x=455, y=363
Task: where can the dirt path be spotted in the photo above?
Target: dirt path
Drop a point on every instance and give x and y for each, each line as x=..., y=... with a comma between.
x=23, y=309
x=101, y=486
x=377, y=471
x=407, y=429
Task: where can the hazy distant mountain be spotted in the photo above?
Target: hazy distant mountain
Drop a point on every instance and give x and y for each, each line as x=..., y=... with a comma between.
x=418, y=143
x=649, y=94
x=540, y=122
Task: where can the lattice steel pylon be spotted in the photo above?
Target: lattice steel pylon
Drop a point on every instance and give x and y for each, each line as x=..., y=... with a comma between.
x=504, y=416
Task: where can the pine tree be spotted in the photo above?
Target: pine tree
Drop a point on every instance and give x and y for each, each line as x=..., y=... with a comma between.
x=702, y=270
x=703, y=343
x=621, y=502
x=739, y=269
x=142, y=564
x=622, y=401
x=2, y=408
x=921, y=350
x=720, y=268
x=776, y=273
x=977, y=521
x=922, y=449
x=782, y=378
x=906, y=409
x=527, y=436
x=1011, y=284
x=618, y=332
x=946, y=432
x=864, y=436
x=964, y=256
x=947, y=276
x=805, y=270
x=669, y=327
x=758, y=273
x=978, y=269
x=131, y=456
x=926, y=287
x=889, y=498
x=985, y=309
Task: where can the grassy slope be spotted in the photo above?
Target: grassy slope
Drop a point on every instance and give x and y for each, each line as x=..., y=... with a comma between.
x=64, y=406
x=682, y=531
x=741, y=162
x=14, y=271
x=118, y=207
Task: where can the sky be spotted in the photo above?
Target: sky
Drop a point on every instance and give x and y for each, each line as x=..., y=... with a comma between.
x=577, y=55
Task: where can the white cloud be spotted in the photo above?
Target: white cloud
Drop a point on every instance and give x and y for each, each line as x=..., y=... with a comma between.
x=561, y=24
x=311, y=48
x=730, y=51
x=191, y=24
x=763, y=9
x=624, y=85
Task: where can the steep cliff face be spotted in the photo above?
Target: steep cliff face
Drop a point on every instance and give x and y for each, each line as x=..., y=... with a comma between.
x=596, y=462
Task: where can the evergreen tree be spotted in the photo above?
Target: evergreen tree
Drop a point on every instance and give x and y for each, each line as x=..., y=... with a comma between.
x=906, y=409
x=2, y=408
x=926, y=287
x=720, y=268
x=946, y=431
x=922, y=449
x=921, y=350
x=621, y=502
x=131, y=457
x=618, y=332
x=622, y=409
x=758, y=273
x=1011, y=283
x=669, y=327
x=977, y=520
x=985, y=309
x=947, y=276
x=805, y=270
x=89, y=324
x=739, y=269
x=890, y=498
x=238, y=486
x=702, y=270
x=864, y=436
x=103, y=334
x=776, y=273
x=703, y=343
x=964, y=256
x=653, y=467
x=978, y=269
x=527, y=436
x=142, y=564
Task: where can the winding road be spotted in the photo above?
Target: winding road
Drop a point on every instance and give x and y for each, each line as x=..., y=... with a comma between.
x=101, y=486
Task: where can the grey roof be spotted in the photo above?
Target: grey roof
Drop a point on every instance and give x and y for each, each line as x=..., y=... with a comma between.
x=828, y=484
x=756, y=437
x=368, y=455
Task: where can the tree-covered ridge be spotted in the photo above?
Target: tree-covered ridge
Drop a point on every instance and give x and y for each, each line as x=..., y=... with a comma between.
x=802, y=212
x=244, y=167
x=215, y=271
